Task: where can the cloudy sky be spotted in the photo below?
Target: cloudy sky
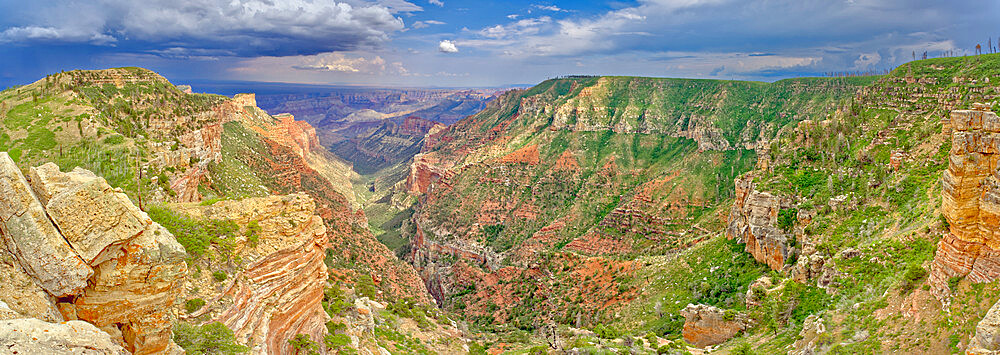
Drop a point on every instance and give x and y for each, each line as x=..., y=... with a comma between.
x=483, y=42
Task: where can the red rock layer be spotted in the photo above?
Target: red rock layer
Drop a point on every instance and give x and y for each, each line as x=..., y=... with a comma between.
x=970, y=201
x=280, y=296
x=527, y=155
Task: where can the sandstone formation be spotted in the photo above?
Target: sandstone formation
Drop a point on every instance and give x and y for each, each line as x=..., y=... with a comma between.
x=753, y=220
x=709, y=325
x=970, y=202
x=34, y=336
x=130, y=266
x=279, y=292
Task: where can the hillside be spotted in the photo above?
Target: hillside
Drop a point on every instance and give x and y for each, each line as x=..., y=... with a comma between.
x=168, y=153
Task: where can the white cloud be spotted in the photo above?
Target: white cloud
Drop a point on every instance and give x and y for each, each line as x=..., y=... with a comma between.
x=425, y=24
x=513, y=16
x=37, y=33
x=447, y=46
x=435, y=2
x=549, y=8
x=528, y=26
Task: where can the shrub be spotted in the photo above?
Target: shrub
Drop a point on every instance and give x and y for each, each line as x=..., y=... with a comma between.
x=477, y=349
x=194, y=304
x=787, y=218
x=220, y=276
x=539, y=350
x=913, y=276
x=303, y=344
x=605, y=332
x=953, y=282
x=253, y=233
x=213, y=338
x=743, y=349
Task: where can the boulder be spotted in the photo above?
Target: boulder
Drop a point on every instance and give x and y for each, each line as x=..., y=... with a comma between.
x=29, y=235
x=46, y=180
x=34, y=336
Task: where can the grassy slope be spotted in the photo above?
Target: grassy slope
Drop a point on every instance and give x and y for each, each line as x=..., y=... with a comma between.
x=895, y=225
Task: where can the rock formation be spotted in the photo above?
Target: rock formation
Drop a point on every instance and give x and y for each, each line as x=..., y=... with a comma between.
x=104, y=259
x=970, y=202
x=987, y=338
x=753, y=220
x=279, y=292
x=708, y=325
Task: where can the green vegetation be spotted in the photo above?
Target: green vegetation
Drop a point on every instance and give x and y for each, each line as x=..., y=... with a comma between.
x=303, y=344
x=193, y=305
x=195, y=234
x=212, y=338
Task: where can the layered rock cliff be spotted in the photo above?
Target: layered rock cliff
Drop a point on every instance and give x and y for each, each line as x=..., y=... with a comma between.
x=98, y=257
x=277, y=291
x=970, y=201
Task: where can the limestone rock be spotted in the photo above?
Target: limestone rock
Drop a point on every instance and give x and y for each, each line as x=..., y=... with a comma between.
x=811, y=339
x=137, y=264
x=987, y=338
x=22, y=295
x=34, y=336
x=109, y=218
x=31, y=237
x=46, y=180
x=709, y=325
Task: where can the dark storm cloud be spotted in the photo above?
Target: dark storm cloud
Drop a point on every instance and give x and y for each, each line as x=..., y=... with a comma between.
x=180, y=28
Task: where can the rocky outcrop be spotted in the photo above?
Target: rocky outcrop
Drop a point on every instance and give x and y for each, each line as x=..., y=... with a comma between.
x=425, y=170
x=970, y=202
x=297, y=135
x=30, y=236
x=987, y=338
x=125, y=268
x=279, y=292
x=709, y=325
x=34, y=336
x=753, y=220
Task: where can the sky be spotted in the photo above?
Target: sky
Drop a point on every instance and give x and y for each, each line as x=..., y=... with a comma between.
x=483, y=43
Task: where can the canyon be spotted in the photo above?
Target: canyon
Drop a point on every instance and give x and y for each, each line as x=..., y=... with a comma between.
x=584, y=214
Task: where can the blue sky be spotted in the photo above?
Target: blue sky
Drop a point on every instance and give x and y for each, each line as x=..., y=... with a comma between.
x=481, y=43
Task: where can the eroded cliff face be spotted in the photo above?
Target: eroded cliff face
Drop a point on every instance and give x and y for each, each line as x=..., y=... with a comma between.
x=278, y=292
x=753, y=220
x=97, y=256
x=970, y=201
